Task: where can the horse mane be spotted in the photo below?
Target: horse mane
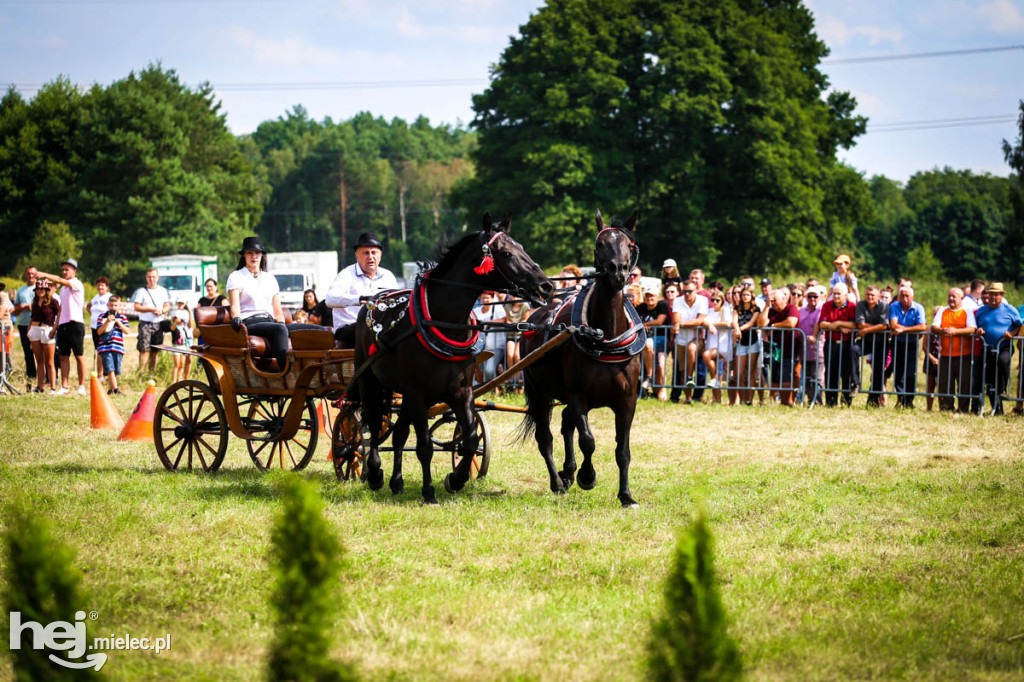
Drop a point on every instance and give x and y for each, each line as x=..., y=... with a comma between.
x=445, y=254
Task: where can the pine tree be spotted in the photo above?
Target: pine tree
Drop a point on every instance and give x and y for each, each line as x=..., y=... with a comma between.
x=43, y=586
x=307, y=558
x=689, y=641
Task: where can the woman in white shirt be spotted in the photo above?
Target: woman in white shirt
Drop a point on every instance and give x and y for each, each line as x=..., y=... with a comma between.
x=721, y=324
x=254, y=297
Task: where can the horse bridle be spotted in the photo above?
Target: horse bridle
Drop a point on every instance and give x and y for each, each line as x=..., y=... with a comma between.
x=634, y=250
x=488, y=265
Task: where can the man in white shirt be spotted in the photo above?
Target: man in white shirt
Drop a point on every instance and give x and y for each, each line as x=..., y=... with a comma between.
x=356, y=283
x=151, y=302
x=688, y=313
x=71, y=323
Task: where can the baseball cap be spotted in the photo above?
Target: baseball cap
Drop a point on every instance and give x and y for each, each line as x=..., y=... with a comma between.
x=669, y=263
x=765, y=280
x=70, y=261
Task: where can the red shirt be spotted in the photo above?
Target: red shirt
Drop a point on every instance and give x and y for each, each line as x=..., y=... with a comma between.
x=830, y=313
x=786, y=337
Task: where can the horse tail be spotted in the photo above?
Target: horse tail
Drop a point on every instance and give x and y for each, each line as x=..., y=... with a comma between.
x=536, y=405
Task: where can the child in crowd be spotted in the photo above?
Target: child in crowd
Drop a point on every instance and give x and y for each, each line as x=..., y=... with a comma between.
x=300, y=317
x=181, y=338
x=110, y=330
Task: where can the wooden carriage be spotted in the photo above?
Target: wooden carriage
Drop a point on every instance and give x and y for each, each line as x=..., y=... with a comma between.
x=273, y=409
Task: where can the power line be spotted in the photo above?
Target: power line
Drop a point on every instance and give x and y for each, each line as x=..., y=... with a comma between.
x=933, y=124
x=918, y=55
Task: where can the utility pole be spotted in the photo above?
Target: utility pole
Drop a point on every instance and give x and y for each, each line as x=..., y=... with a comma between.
x=344, y=206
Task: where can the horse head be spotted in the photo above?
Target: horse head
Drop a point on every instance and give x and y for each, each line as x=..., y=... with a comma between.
x=615, y=250
x=506, y=265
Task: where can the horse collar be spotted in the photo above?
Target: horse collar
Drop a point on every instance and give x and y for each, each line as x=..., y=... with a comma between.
x=430, y=336
x=622, y=347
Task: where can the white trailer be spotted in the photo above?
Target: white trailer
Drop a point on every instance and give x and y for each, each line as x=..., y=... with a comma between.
x=183, y=274
x=297, y=271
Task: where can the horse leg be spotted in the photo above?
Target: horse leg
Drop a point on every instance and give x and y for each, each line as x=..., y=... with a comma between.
x=538, y=408
x=466, y=419
x=399, y=435
x=623, y=425
x=372, y=418
x=424, y=450
x=568, y=472
x=587, y=477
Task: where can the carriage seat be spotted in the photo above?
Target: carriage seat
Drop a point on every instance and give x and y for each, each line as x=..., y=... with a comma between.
x=214, y=322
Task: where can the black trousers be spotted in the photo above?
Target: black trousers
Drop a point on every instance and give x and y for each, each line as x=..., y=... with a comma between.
x=838, y=370
x=26, y=347
x=904, y=362
x=276, y=334
x=997, y=373
x=346, y=334
x=876, y=344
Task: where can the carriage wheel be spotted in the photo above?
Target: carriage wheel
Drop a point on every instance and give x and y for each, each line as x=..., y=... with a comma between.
x=266, y=415
x=190, y=428
x=446, y=435
x=347, y=446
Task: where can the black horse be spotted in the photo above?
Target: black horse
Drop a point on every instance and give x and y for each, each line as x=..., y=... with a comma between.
x=586, y=374
x=425, y=348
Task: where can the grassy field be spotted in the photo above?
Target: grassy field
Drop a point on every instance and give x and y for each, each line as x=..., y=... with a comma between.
x=850, y=544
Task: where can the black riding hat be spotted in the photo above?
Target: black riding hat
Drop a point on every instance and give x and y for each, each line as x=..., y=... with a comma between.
x=252, y=244
x=368, y=239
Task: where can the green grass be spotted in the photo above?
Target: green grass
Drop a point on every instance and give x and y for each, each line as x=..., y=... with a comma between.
x=849, y=544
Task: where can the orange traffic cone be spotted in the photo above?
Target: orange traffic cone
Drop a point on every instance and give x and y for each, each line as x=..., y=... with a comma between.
x=140, y=424
x=104, y=414
x=323, y=416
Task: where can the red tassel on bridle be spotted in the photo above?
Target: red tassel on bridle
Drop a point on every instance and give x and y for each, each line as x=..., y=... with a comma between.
x=486, y=265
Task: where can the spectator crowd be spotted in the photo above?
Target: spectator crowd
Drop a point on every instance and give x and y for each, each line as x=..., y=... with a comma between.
x=802, y=343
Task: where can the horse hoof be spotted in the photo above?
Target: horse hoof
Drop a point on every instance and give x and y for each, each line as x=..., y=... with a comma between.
x=375, y=479
x=397, y=486
x=429, y=500
x=450, y=485
x=586, y=480
x=628, y=502
x=567, y=479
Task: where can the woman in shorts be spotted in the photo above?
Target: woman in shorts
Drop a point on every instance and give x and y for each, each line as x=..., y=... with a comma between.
x=42, y=333
x=748, y=347
x=721, y=325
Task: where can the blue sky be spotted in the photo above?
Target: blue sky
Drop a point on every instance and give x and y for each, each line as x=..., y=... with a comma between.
x=255, y=51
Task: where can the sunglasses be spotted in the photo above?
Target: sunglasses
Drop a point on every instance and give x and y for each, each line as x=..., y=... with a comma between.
x=687, y=291
x=747, y=285
x=718, y=300
x=811, y=296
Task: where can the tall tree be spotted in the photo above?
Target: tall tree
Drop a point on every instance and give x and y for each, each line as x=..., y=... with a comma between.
x=710, y=118
x=143, y=167
x=1014, y=247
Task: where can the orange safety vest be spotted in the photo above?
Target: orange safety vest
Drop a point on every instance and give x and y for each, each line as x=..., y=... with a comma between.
x=955, y=345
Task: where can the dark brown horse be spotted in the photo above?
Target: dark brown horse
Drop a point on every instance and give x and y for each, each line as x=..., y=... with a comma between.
x=586, y=374
x=424, y=348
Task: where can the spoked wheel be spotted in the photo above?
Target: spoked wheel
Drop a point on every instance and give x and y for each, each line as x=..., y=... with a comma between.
x=347, y=446
x=266, y=418
x=446, y=435
x=190, y=428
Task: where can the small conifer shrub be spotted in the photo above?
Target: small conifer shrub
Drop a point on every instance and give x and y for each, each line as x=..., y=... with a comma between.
x=689, y=640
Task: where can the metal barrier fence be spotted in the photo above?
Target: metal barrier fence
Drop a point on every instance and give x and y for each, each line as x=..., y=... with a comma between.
x=835, y=369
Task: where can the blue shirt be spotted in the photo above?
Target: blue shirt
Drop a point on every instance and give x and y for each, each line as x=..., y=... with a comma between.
x=908, y=318
x=26, y=294
x=996, y=321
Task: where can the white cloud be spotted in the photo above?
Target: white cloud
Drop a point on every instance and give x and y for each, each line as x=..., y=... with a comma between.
x=836, y=32
x=288, y=52
x=408, y=26
x=1003, y=16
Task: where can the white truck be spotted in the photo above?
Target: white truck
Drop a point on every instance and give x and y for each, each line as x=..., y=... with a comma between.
x=297, y=271
x=183, y=274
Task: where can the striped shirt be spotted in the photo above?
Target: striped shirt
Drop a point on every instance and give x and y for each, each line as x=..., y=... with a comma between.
x=112, y=341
